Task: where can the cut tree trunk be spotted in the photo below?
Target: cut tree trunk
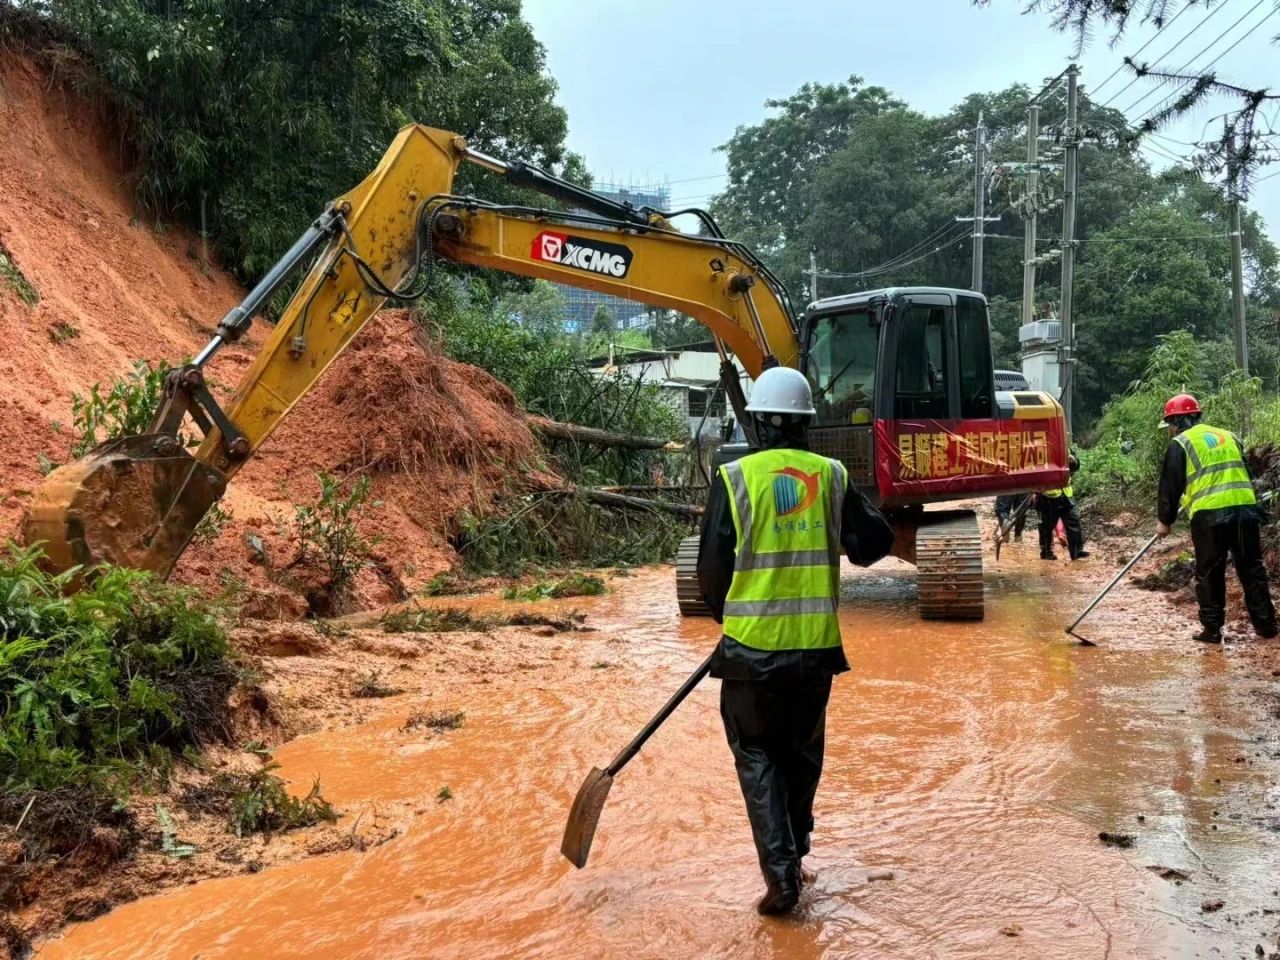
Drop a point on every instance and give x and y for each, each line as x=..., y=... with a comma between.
x=604, y=438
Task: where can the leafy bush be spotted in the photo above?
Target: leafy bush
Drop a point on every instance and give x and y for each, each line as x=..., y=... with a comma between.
x=445, y=620
x=259, y=802
x=17, y=282
x=106, y=684
x=127, y=407
x=329, y=529
x=574, y=585
x=1121, y=470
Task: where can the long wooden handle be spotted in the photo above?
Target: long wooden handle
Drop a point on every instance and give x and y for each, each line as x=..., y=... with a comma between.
x=1114, y=580
x=632, y=748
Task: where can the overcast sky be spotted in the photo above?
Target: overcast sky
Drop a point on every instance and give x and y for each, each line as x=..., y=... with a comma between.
x=652, y=87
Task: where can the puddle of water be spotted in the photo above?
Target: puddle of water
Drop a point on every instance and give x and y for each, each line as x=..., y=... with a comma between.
x=975, y=761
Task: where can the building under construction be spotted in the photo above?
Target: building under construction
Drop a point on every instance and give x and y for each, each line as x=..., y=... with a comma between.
x=581, y=305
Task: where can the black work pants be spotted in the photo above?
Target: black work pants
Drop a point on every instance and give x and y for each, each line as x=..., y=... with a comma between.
x=1239, y=539
x=776, y=730
x=1053, y=509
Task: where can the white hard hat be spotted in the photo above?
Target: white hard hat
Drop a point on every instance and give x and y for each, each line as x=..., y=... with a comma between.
x=782, y=390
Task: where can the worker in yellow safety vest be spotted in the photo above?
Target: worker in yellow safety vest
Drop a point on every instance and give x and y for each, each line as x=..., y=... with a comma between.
x=1059, y=505
x=776, y=523
x=1205, y=474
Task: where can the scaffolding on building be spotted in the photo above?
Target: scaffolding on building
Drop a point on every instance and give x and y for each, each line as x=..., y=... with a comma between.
x=581, y=305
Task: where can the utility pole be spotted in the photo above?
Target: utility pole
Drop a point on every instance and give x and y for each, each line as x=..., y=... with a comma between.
x=979, y=218
x=813, y=275
x=1066, y=352
x=1029, y=235
x=1238, y=332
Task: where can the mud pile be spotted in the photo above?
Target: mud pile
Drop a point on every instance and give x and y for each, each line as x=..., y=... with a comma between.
x=436, y=437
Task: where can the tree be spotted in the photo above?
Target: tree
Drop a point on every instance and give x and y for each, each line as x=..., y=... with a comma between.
x=541, y=308
x=602, y=321
x=254, y=115
x=672, y=329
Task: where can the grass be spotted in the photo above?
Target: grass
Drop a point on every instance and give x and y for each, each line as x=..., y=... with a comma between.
x=106, y=686
x=446, y=583
x=370, y=686
x=62, y=331
x=20, y=285
x=258, y=802
x=442, y=620
x=437, y=720
x=573, y=585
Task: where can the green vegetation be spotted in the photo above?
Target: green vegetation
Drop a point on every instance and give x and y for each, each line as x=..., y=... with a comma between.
x=329, y=530
x=127, y=407
x=370, y=687
x=1120, y=469
x=255, y=116
x=62, y=331
x=259, y=802
x=441, y=620
x=551, y=530
x=436, y=720
x=104, y=687
x=573, y=585
x=14, y=278
x=211, y=525
x=1152, y=255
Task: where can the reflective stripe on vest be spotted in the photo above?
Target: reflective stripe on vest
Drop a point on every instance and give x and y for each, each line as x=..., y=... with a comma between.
x=1216, y=474
x=1059, y=492
x=786, y=507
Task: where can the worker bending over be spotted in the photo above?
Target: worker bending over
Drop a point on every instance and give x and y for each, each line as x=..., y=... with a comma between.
x=1204, y=472
x=1057, y=505
x=776, y=523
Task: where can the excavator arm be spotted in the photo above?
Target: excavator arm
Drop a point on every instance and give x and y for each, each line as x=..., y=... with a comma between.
x=136, y=501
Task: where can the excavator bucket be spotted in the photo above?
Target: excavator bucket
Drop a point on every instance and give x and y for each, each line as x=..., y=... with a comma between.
x=133, y=502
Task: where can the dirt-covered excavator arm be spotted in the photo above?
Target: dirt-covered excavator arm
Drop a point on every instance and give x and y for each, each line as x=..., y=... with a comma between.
x=136, y=501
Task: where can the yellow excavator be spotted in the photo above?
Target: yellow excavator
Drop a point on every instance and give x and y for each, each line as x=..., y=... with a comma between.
x=903, y=377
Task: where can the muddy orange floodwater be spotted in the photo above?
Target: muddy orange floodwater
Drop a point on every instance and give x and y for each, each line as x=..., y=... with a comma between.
x=976, y=762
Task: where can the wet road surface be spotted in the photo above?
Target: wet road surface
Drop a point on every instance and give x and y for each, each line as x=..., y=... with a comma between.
x=976, y=762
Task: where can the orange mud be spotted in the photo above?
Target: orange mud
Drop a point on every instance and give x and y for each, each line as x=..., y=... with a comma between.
x=976, y=762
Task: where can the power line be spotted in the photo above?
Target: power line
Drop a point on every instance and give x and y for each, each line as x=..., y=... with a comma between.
x=897, y=266
x=1209, y=46
x=1111, y=76
x=1212, y=13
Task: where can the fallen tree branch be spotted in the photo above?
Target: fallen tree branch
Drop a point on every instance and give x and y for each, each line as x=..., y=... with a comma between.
x=604, y=438
x=607, y=499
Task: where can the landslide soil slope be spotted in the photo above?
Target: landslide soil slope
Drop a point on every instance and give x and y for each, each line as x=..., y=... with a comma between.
x=436, y=436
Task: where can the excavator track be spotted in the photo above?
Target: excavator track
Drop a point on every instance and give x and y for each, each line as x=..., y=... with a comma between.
x=949, y=566
x=688, y=595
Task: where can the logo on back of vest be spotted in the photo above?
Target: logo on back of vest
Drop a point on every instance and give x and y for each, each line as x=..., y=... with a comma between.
x=794, y=490
x=1212, y=438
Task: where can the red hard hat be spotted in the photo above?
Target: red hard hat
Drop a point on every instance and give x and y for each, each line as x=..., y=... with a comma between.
x=1182, y=404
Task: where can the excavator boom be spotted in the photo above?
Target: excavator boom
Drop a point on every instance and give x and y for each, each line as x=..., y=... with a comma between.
x=136, y=501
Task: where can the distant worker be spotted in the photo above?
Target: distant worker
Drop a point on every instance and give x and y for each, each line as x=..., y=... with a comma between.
x=1056, y=506
x=776, y=523
x=1011, y=507
x=1205, y=473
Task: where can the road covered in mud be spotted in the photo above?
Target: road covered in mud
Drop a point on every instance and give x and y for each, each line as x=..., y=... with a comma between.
x=971, y=769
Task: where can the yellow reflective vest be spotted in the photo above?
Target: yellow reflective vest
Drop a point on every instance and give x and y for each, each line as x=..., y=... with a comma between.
x=1216, y=474
x=1059, y=492
x=786, y=507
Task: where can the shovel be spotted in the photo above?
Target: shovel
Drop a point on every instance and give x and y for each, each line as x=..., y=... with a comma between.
x=1071, y=630
x=584, y=815
x=1013, y=521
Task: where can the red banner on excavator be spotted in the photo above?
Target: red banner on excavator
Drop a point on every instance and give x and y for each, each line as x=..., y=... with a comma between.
x=923, y=458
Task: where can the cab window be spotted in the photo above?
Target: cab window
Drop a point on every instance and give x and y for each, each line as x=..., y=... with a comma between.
x=842, y=367
x=977, y=392
x=921, y=368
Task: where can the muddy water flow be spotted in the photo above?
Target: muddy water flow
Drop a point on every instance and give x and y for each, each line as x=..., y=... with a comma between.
x=976, y=762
